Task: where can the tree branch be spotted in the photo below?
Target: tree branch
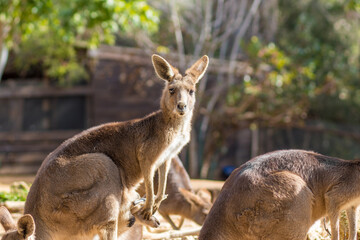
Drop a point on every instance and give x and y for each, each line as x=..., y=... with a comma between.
x=178, y=34
x=240, y=34
x=205, y=30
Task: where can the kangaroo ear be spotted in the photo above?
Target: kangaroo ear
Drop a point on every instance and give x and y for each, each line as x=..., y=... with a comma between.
x=163, y=69
x=6, y=220
x=26, y=226
x=198, y=69
x=186, y=193
x=204, y=194
x=190, y=197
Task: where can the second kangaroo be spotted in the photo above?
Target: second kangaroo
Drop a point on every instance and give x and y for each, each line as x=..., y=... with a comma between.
x=87, y=185
x=279, y=195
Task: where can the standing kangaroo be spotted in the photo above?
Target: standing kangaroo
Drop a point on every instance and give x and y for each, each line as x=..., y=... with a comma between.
x=23, y=230
x=181, y=199
x=87, y=185
x=279, y=195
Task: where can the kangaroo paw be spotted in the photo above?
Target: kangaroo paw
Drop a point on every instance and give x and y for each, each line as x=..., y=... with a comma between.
x=152, y=222
x=131, y=221
x=158, y=201
x=137, y=205
x=147, y=220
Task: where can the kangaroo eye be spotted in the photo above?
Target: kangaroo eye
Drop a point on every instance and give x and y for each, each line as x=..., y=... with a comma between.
x=172, y=90
x=191, y=92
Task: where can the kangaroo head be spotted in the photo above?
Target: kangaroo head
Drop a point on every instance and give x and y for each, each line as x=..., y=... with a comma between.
x=200, y=205
x=179, y=93
x=24, y=230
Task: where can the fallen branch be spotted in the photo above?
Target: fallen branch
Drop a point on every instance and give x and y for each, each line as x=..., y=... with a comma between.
x=173, y=234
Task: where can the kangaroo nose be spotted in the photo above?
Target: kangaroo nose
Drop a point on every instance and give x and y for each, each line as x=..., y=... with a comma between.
x=181, y=106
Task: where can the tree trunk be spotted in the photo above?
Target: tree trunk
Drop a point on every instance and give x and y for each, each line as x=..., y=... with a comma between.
x=239, y=35
x=4, y=53
x=3, y=59
x=178, y=34
x=193, y=157
x=254, y=140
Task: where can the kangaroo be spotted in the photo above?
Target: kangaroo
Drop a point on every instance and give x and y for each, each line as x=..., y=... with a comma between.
x=24, y=230
x=181, y=199
x=87, y=185
x=279, y=195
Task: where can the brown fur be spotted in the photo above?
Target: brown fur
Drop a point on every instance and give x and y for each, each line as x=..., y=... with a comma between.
x=279, y=195
x=133, y=233
x=181, y=199
x=87, y=185
x=23, y=230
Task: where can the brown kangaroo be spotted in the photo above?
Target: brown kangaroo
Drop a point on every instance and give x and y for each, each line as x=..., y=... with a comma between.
x=23, y=230
x=181, y=199
x=279, y=195
x=87, y=185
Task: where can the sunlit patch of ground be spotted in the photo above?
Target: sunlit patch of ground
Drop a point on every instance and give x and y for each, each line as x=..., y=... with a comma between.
x=321, y=229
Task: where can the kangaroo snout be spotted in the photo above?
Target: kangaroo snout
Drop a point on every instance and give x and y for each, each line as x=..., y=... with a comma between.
x=181, y=106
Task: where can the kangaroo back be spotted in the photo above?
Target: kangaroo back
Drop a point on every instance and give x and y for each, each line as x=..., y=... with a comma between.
x=279, y=195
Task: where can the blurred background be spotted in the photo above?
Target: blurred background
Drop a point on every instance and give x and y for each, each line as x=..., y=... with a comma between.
x=283, y=74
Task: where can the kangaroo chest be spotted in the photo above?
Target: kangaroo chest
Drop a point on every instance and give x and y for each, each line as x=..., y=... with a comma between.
x=174, y=146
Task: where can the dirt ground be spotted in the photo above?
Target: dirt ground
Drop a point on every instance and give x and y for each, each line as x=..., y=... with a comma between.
x=6, y=181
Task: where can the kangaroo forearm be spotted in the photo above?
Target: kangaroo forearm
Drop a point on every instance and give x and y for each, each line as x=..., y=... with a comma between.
x=149, y=189
x=163, y=173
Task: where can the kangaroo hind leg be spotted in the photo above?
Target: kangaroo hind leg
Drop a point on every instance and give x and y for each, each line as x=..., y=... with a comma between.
x=352, y=217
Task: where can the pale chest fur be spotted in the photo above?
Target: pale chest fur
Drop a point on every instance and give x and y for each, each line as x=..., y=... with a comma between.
x=176, y=142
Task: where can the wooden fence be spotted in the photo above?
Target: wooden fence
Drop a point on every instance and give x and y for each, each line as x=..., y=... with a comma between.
x=33, y=122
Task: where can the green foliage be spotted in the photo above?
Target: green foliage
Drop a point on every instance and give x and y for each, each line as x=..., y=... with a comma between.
x=354, y=5
x=19, y=18
x=90, y=21
x=53, y=28
x=18, y=192
x=312, y=70
x=54, y=57
x=324, y=35
x=97, y=21
x=277, y=93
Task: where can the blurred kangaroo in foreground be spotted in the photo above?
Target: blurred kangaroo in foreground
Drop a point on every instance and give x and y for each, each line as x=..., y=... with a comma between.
x=279, y=195
x=181, y=199
x=87, y=185
x=23, y=230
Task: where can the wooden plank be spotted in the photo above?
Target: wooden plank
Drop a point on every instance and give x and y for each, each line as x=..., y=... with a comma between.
x=18, y=170
x=6, y=180
x=122, y=114
x=106, y=98
x=30, y=158
x=36, y=91
x=129, y=55
x=209, y=184
x=35, y=135
x=16, y=114
x=45, y=147
x=141, y=109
